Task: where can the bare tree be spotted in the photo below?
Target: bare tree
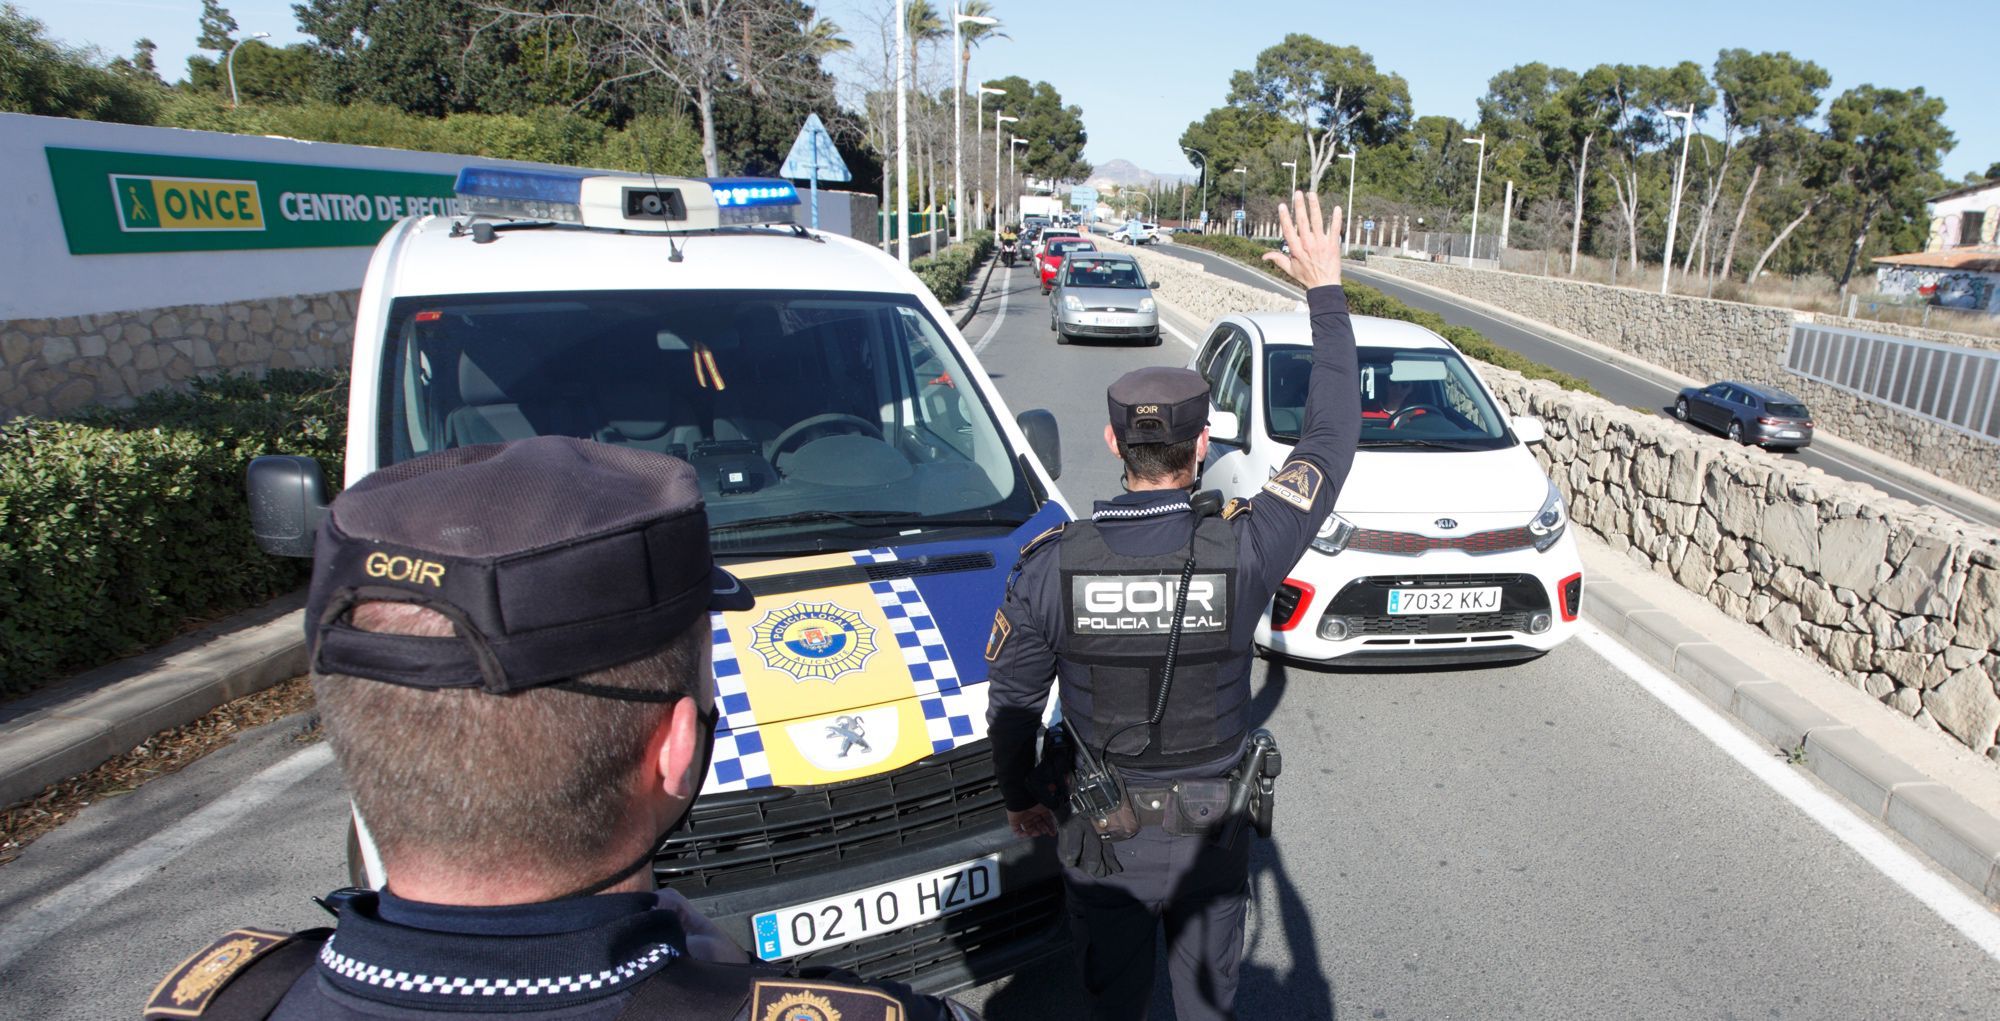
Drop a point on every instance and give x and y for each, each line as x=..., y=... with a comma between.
x=703, y=47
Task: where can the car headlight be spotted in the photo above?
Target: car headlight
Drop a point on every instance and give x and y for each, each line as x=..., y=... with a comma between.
x=1549, y=522
x=1333, y=535
x=1146, y=305
x=1070, y=302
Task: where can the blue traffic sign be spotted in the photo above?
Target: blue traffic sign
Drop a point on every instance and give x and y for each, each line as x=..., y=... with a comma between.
x=1367, y=225
x=1239, y=215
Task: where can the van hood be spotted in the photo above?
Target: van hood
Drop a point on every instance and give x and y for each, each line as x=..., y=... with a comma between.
x=1507, y=483
x=857, y=663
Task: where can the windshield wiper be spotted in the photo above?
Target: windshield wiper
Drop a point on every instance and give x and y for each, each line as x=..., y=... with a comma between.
x=1421, y=443
x=873, y=519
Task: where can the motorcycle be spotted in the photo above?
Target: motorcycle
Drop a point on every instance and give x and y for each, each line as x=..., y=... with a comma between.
x=1007, y=251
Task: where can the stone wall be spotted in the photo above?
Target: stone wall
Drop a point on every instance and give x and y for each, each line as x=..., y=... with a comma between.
x=53, y=366
x=1902, y=601
x=1710, y=340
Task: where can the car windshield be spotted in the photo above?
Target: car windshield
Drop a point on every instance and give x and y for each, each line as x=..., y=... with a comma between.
x=815, y=420
x=1418, y=399
x=1103, y=273
x=1785, y=410
x=1061, y=247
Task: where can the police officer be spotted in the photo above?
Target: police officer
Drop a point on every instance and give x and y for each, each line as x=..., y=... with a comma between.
x=1095, y=603
x=510, y=649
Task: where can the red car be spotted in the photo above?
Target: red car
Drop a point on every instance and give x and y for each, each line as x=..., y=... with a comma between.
x=1051, y=259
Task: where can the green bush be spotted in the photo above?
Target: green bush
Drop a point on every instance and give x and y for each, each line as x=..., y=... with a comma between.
x=946, y=272
x=1367, y=301
x=120, y=527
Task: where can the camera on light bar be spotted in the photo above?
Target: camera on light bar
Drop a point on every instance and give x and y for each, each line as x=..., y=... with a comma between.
x=630, y=202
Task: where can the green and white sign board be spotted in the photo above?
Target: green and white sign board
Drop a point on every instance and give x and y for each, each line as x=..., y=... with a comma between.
x=124, y=202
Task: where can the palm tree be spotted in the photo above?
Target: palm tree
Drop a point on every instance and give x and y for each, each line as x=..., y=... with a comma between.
x=922, y=24
x=823, y=37
x=975, y=33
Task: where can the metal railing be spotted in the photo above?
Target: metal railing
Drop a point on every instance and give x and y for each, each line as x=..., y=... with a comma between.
x=1957, y=387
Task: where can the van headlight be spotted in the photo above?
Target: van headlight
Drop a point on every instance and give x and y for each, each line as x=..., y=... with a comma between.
x=1070, y=302
x=1549, y=522
x=1333, y=535
x=1146, y=305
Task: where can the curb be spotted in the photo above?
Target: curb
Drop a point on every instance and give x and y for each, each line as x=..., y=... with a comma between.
x=972, y=309
x=54, y=737
x=1952, y=831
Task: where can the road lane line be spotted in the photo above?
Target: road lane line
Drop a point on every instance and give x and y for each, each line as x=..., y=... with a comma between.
x=1969, y=917
x=999, y=314
x=58, y=911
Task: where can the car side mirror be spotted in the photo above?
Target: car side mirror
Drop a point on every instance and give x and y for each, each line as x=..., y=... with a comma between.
x=287, y=502
x=1044, y=438
x=1529, y=429
x=1224, y=427
x=1153, y=285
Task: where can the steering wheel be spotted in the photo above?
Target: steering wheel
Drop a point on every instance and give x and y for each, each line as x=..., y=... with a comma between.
x=846, y=423
x=1396, y=418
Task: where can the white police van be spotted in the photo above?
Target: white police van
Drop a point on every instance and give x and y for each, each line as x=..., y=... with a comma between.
x=861, y=475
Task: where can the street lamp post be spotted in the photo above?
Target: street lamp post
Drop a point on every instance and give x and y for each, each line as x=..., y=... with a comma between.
x=1204, y=185
x=1674, y=216
x=902, y=137
x=999, y=205
x=979, y=124
x=1013, y=173
x=958, y=116
x=1347, y=215
x=1243, y=199
x=231, y=61
x=1294, y=164
x=1478, y=178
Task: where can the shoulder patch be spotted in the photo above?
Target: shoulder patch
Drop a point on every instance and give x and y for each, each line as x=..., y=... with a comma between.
x=997, y=640
x=796, y=1000
x=1236, y=505
x=1041, y=540
x=1297, y=483
x=188, y=989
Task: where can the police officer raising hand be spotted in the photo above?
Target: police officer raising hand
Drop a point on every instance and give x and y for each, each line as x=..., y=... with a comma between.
x=1146, y=613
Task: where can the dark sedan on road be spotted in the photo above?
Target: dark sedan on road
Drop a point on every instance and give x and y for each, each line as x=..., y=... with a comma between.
x=1747, y=413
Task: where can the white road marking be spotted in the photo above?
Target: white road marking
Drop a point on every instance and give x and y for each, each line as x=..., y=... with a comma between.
x=1974, y=920
x=999, y=314
x=1178, y=335
x=59, y=910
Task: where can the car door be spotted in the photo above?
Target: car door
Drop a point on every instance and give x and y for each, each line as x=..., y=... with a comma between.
x=1711, y=406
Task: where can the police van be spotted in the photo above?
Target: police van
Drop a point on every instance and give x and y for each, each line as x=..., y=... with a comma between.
x=862, y=476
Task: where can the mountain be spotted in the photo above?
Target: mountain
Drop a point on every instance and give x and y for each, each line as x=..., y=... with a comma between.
x=1125, y=174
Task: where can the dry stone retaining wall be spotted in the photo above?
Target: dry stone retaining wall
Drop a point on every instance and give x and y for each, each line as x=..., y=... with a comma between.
x=1710, y=340
x=52, y=366
x=1902, y=601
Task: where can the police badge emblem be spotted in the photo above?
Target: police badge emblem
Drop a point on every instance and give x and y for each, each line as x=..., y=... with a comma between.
x=813, y=640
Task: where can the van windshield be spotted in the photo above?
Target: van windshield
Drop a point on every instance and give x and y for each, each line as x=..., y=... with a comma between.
x=816, y=421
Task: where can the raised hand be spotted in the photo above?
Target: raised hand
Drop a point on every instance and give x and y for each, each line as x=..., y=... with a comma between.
x=1315, y=244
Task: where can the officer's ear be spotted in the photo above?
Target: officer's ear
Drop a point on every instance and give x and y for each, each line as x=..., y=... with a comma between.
x=1111, y=442
x=1201, y=449
x=679, y=750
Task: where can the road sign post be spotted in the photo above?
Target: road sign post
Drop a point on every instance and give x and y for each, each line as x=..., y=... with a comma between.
x=814, y=157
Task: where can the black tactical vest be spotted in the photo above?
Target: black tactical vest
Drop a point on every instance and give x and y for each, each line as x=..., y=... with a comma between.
x=1117, y=615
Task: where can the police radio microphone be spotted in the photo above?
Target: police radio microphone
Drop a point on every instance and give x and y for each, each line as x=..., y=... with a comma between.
x=1206, y=502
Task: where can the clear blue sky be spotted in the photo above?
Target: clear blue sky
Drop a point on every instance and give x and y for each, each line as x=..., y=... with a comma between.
x=1142, y=71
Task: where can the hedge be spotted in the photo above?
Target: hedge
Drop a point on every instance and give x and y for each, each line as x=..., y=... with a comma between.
x=1367, y=301
x=120, y=528
x=946, y=272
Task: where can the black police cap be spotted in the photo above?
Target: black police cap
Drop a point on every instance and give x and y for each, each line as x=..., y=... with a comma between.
x=552, y=557
x=1158, y=405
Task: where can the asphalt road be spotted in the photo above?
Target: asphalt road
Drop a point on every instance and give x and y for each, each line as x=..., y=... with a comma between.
x=1616, y=383
x=1540, y=841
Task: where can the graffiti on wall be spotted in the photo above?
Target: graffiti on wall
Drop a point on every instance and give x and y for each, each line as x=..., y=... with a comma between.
x=1943, y=287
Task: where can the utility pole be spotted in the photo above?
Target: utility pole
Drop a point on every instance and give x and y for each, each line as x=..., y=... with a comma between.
x=231, y=61
x=902, y=137
x=1013, y=173
x=1204, y=185
x=1294, y=164
x=1478, y=178
x=1506, y=214
x=979, y=124
x=1347, y=214
x=1243, y=200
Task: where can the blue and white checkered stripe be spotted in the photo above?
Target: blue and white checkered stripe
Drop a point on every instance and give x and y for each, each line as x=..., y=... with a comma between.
x=739, y=761
x=954, y=713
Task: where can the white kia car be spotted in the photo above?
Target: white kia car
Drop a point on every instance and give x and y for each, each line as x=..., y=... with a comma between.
x=1448, y=543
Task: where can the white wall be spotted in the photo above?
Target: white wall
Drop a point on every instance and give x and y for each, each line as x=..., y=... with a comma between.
x=39, y=278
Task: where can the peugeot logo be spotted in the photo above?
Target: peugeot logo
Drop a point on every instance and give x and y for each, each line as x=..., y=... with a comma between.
x=1446, y=524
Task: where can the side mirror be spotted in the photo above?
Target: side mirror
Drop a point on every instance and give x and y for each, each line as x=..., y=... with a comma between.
x=1224, y=427
x=287, y=501
x=1529, y=429
x=1043, y=438
x=1154, y=285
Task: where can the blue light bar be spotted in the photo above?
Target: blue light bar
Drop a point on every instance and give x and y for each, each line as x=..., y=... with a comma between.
x=531, y=185
x=752, y=191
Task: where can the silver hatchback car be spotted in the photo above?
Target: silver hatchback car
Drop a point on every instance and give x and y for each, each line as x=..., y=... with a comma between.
x=1105, y=295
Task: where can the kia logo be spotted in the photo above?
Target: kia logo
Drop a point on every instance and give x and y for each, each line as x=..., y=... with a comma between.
x=1445, y=524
